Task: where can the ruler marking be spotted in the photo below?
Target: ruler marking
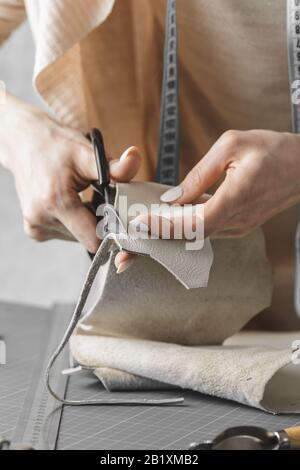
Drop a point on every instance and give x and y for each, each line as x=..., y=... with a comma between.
x=41, y=415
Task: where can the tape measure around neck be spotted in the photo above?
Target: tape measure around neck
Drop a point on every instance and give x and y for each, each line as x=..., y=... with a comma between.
x=168, y=149
x=293, y=43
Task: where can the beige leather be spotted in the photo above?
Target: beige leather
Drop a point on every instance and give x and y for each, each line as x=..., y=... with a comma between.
x=262, y=376
x=190, y=267
x=148, y=302
x=153, y=326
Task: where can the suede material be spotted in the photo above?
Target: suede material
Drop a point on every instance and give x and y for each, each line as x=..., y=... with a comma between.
x=233, y=372
x=148, y=302
x=150, y=327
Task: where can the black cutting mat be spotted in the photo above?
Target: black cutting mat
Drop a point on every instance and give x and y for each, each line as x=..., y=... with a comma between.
x=145, y=427
x=27, y=412
x=31, y=333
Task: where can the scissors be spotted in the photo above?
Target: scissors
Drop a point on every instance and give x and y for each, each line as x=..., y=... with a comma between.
x=104, y=190
x=102, y=186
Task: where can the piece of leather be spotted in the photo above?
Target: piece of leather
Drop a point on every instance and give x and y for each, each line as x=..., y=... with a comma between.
x=263, y=375
x=148, y=302
x=99, y=259
x=258, y=376
x=164, y=327
x=190, y=267
x=114, y=379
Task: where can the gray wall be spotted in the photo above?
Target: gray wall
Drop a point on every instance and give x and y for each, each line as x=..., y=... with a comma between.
x=31, y=272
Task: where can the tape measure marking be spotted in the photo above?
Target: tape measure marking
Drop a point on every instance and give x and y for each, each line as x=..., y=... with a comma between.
x=168, y=150
x=293, y=40
x=293, y=43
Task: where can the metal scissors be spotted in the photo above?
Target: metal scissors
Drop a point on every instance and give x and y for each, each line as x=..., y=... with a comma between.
x=104, y=190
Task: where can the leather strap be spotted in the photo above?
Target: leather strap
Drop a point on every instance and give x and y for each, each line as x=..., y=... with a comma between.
x=99, y=259
x=168, y=149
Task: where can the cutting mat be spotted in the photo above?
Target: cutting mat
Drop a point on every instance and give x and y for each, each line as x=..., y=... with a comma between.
x=172, y=427
x=30, y=332
x=27, y=413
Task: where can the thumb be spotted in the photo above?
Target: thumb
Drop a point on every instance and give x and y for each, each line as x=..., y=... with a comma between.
x=207, y=172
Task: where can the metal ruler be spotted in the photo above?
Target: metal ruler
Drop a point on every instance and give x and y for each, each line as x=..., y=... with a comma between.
x=293, y=42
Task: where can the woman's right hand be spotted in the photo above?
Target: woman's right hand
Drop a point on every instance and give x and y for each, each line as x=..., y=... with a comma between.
x=52, y=165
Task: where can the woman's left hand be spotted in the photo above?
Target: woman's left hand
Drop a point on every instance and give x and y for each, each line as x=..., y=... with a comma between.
x=260, y=177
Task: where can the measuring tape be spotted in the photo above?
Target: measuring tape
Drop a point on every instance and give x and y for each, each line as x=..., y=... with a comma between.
x=293, y=42
x=293, y=39
x=167, y=171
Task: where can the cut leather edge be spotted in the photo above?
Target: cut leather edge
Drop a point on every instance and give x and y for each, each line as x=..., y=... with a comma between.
x=127, y=244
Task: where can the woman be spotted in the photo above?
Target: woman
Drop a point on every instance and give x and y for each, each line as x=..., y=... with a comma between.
x=98, y=63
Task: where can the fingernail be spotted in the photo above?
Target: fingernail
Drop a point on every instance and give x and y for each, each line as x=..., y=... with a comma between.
x=124, y=266
x=120, y=160
x=124, y=156
x=172, y=194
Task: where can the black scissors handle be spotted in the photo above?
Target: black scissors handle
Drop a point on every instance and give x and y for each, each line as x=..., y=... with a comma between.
x=102, y=185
